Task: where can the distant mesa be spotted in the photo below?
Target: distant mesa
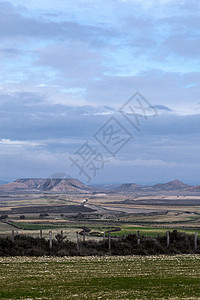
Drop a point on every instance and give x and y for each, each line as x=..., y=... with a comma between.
x=129, y=186
x=194, y=188
x=60, y=185
x=45, y=185
x=169, y=186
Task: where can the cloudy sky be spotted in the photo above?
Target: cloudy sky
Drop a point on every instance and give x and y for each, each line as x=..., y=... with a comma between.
x=68, y=72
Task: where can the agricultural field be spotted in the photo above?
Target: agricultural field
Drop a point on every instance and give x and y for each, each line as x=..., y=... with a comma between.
x=126, y=277
x=94, y=231
x=114, y=213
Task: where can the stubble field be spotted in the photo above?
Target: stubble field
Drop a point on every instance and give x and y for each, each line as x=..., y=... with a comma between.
x=130, y=277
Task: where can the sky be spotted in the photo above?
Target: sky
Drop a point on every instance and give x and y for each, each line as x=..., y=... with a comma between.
x=103, y=91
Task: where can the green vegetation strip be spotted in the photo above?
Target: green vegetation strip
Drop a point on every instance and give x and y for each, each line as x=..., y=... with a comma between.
x=124, y=229
x=131, y=277
x=31, y=226
x=148, y=231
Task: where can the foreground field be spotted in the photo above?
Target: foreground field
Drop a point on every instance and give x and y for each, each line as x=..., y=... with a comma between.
x=131, y=277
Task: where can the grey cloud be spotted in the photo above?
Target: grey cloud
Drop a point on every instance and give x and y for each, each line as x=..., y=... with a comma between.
x=181, y=37
x=138, y=24
x=76, y=60
x=183, y=24
x=173, y=125
x=184, y=46
x=10, y=52
x=15, y=24
x=41, y=120
x=191, y=6
x=161, y=139
x=174, y=33
x=158, y=87
x=31, y=116
x=162, y=107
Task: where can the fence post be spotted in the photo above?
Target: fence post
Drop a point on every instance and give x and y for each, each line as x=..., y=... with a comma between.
x=109, y=242
x=41, y=234
x=84, y=235
x=138, y=237
x=61, y=233
x=77, y=237
x=168, y=240
x=195, y=240
x=104, y=235
x=13, y=236
x=50, y=239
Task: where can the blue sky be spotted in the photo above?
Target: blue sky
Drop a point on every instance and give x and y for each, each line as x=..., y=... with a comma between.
x=66, y=68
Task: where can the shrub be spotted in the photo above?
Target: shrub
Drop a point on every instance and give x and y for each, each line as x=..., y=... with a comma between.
x=3, y=217
x=27, y=245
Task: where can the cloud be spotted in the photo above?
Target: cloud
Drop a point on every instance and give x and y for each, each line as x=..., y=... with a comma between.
x=146, y=163
x=154, y=86
x=15, y=23
x=184, y=46
x=8, y=142
x=76, y=60
x=162, y=108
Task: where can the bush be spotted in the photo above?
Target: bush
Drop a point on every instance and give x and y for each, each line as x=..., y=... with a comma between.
x=27, y=245
x=3, y=217
x=43, y=215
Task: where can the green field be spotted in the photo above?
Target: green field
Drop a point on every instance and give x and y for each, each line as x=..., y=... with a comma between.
x=95, y=229
x=131, y=277
x=149, y=231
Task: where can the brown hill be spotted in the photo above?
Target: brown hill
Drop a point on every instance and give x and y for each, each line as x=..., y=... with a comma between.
x=194, y=188
x=126, y=187
x=45, y=185
x=171, y=186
